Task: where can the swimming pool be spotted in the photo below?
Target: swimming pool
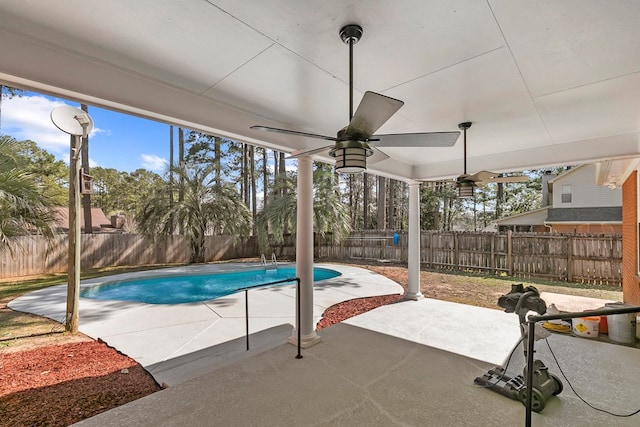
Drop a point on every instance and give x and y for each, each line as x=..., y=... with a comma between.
x=179, y=289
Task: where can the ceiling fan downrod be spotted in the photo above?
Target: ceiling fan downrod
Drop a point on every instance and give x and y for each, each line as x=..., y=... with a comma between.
x=351, y=34
x=463, y=127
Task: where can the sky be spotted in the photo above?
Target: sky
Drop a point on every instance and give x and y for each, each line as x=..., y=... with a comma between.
x=118, y=141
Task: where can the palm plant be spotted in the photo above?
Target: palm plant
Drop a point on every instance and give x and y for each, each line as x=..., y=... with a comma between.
x=206, y=208
x=279, y=213
x=24, y=208
x=330, y=214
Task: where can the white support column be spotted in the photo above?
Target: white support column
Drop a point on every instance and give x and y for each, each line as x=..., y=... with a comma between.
x=304, y=254
x=413, y=291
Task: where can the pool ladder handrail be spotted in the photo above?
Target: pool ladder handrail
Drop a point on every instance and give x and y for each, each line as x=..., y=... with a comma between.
x=274, y=262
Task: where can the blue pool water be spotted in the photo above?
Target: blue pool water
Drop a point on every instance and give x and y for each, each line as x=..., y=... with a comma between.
x=193, y=288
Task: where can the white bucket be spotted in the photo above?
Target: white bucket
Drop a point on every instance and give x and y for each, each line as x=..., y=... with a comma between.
x=622, y=327
x=586, y=326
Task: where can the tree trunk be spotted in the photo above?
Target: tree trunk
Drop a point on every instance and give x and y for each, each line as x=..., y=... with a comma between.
x=352, y=215
x=181, y=163
x=276, y=166
x=282, y=172
x=254, y=199
x=366, y=196
x=197, y=249
x=445, y=214
x=381, y=194
x=171, y=183
x=218, y=162
x=245, y=175
x=391, y=219
x=265, y=184
x=499, y=200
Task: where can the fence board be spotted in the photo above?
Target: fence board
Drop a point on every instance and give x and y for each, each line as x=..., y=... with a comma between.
x=31, y=255
x=578, y=258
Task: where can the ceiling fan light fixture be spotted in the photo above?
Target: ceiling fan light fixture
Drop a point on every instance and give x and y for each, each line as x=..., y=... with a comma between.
x=465, y=189
x=351, y=156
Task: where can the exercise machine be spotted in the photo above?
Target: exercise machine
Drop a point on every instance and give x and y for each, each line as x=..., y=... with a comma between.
x=521, y=300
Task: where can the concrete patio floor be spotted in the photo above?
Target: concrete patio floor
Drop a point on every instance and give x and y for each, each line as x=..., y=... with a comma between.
x=411, y=363
x=359, y=377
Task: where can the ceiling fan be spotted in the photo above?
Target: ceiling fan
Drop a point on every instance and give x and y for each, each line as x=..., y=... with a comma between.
x=465, y=183
x=354, y=142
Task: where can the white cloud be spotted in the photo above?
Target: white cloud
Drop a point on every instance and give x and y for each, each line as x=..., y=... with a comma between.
x=29, y=117
x=154, y=163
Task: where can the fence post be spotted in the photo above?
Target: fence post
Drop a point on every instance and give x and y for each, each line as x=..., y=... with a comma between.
x=456, y=255
x=509, y=253
x=570, y=258
x=493, y=254
x=430, y=252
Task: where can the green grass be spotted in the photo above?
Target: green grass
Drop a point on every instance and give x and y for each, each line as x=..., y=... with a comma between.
x=480, y=289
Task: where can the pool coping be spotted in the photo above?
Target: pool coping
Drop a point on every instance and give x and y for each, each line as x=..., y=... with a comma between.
x=155, y=334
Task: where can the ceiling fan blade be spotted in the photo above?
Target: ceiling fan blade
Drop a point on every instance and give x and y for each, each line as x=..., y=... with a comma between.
x=300, y=153
x=486, y=176
x=506, y=179
x=377, y=156
x=374, y=111
x=294, y=132
x=482, y=176
x=425, y=139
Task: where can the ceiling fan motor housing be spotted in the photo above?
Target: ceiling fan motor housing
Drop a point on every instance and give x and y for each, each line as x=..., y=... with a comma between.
x=351, y=33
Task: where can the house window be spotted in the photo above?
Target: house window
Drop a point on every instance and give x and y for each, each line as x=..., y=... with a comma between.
x=566, y=193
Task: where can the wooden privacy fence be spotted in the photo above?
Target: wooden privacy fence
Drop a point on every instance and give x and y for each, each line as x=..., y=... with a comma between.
x=33, y=255
x=565, y=257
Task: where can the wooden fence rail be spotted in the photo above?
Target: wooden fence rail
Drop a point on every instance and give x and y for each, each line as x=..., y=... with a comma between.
x=566, y=257
x=33, y=255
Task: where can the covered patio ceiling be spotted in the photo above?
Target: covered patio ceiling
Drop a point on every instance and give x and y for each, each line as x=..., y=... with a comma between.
x=544, y=83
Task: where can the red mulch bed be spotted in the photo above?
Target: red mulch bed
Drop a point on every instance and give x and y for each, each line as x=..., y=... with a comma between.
x=344, y=310
x=59, y=385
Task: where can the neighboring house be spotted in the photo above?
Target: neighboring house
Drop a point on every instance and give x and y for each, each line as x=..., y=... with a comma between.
x=99, y=221
x=624, y=173
x=576, y=204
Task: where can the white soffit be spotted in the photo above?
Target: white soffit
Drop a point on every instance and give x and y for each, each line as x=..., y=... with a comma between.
x=544, y=83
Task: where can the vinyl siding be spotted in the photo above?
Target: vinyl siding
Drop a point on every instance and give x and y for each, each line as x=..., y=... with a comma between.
x=584, y=190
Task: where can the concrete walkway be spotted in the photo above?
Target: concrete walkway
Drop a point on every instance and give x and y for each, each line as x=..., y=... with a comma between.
x=156, y=335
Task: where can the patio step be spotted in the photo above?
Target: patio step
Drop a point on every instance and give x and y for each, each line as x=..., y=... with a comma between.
x=186, y=367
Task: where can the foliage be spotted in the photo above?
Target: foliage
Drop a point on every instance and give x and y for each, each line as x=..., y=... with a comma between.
x=24, y=206
x=51, y=174
x=122, y=192
x=279, y=213
x=208, y=208
x=330, y=214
